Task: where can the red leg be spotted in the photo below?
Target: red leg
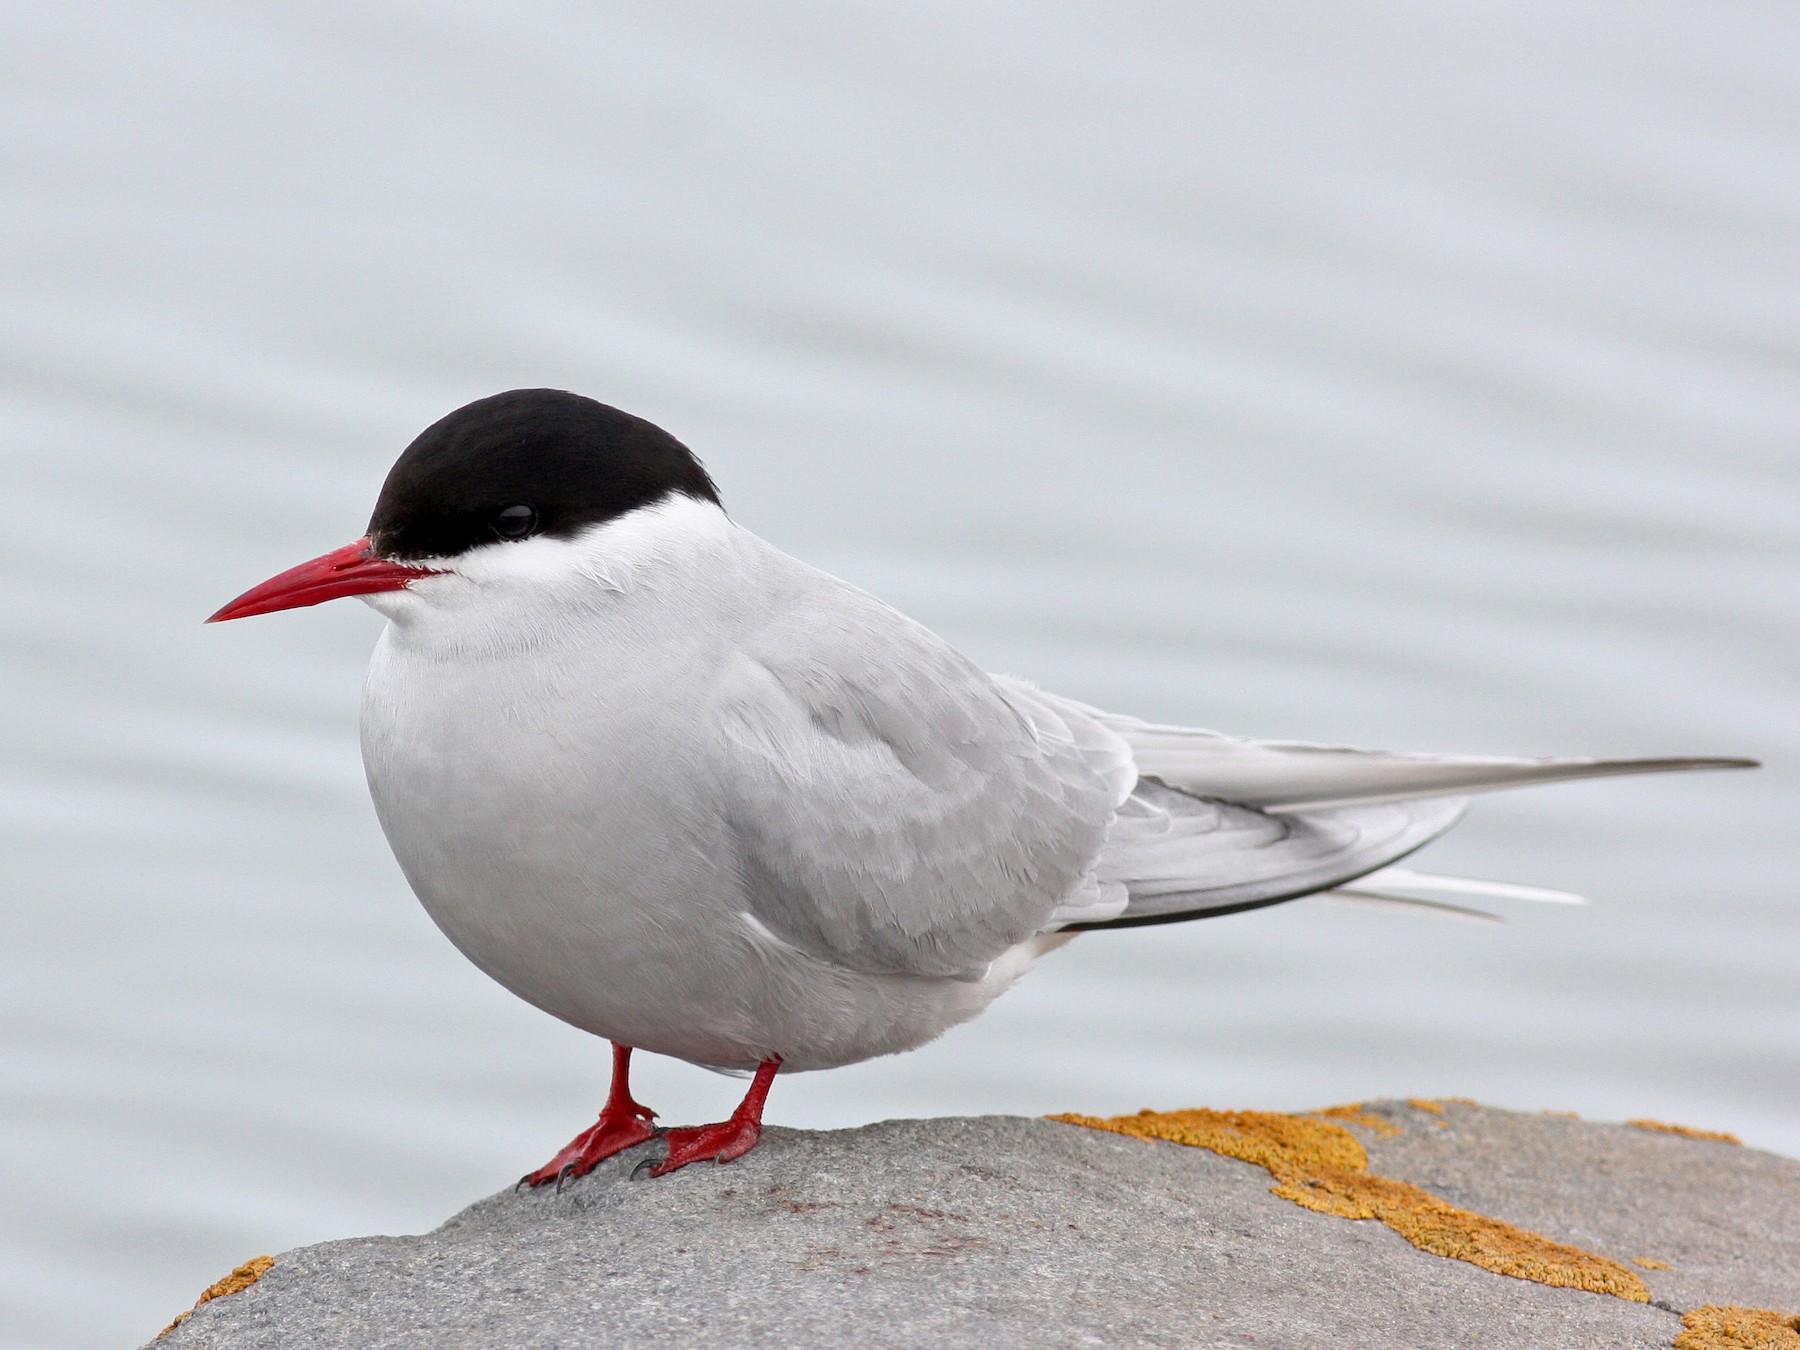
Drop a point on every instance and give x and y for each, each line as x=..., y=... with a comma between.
x=728, y=1139
x=622, y=1123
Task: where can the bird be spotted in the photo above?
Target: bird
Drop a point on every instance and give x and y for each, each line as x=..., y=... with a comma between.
x=698, y=798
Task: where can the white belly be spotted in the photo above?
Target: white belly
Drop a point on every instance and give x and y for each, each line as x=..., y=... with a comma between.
x=556, y=822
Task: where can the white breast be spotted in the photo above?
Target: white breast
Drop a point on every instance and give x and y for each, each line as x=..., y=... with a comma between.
x=539, y=743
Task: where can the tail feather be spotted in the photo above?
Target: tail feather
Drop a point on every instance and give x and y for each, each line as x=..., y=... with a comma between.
x=1432, y=909
x=1389, y=886
x=1432, y=883
x=1179, y=857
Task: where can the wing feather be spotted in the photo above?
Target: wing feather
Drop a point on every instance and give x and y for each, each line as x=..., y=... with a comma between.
x=1292, y=777
x=897, y=810
x=893, y=812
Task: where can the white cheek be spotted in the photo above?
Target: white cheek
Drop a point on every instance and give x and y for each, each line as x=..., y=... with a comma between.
x=531, y=562
x=418, y=598
x=509, y=592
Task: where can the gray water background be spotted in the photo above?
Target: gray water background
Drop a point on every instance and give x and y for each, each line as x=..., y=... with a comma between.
x=1408, y=374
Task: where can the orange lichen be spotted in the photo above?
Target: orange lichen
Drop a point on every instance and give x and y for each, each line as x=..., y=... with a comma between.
x=1425, y=1104
x=1353, y=1113
x=1651, y=1263
x=240, y=1279
x=1322, y=1166
x=1687, y=1131
x=1730, y=1327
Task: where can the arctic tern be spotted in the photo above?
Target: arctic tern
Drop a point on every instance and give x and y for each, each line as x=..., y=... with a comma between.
x=692, y=795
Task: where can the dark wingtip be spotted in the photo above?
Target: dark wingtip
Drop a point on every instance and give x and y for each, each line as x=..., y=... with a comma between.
x=1679, y=763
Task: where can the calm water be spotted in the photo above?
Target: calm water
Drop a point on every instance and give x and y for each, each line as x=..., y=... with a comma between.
x=1420, y=376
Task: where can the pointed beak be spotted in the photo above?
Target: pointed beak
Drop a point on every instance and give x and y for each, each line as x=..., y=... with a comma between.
x=350, y=570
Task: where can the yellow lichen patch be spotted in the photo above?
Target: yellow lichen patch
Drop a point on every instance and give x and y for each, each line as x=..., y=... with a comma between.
x=1687, y=1131
x=1651, y=1263
x=241, y=1278
x=1729, y=1327
x=1353, y=1113
x=1426, y=1104
x=1286, y=1145
x=1322, y=1166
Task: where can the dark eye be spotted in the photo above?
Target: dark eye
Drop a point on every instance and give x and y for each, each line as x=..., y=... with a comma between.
x=515, y=522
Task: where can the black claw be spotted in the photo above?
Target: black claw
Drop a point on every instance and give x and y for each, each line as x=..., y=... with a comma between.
x=643, y=1165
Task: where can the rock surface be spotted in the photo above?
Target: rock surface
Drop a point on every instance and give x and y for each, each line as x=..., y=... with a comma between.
x=1000, y=1231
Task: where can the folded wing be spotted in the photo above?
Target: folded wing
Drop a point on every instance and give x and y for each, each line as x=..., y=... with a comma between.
x=893, y=812
x=1290, y=777
x=1218, y=824
x=897, y=810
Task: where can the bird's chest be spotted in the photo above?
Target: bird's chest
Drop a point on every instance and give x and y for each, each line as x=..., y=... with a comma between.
x=549, y=798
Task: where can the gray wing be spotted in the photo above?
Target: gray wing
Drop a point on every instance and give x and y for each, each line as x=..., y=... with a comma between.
x=897, y=810
x=893, y=811
x=1218, y=824
x=1179, y=853
x=1292, y=777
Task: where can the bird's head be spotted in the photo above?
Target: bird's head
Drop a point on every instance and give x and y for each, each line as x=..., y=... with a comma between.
x=501, y=493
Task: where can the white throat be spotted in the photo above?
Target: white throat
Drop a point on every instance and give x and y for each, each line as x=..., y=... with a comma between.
x=513, y=596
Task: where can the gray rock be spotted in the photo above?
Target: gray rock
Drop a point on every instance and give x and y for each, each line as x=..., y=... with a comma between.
x=1000, y=1231
x=1725, y=1219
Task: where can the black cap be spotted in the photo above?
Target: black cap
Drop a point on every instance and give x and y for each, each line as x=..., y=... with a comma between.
x=523, y=463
